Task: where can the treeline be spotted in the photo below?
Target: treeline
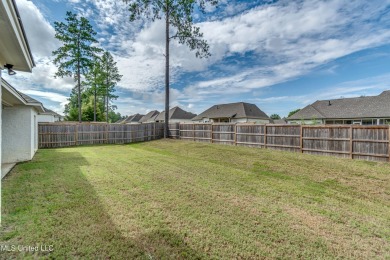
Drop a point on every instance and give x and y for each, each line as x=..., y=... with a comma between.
x=94, y=70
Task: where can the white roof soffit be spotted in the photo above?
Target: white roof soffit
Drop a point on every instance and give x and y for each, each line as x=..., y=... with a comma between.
x=14, y=47
x=11, y=97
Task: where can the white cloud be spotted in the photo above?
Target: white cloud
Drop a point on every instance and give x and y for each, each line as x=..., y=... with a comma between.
x=282, y=41
x=58, y=99
x=298, y=35
x=41, y=39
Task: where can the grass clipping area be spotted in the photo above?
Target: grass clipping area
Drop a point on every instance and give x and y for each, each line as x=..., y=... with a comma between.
x=174, y=199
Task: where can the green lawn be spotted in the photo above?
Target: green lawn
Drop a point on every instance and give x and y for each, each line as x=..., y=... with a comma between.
x=174, y=199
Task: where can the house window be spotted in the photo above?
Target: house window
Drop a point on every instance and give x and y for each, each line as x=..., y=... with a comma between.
x=367, y=122
x=348, y=122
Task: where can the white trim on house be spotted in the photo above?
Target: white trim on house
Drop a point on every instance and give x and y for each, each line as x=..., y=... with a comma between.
x=14, y=48
x=343, y=121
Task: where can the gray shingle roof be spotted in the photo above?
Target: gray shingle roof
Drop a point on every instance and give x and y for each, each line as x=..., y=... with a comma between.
x=347, y=108
x=28, y=98
x=49, y=111
x=176, y=113
x=233, y=110
x=132, y=119
x=149, y=116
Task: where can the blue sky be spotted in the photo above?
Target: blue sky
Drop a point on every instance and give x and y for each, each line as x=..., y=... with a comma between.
x=281, y=55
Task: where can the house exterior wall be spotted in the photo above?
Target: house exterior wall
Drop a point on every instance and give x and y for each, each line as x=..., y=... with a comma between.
x=1, y=136
x=19, y=134
x=46, y=118
x=177, y=121
x=180, y=120
x=306, y=122
x=335, y=121
x=233, y=120
x=203, y=120
x=250, y=120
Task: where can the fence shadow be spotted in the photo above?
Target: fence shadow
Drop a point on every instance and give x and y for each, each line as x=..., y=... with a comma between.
x=45, y=203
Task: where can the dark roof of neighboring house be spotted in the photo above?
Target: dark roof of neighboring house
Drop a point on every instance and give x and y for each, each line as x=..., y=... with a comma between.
x=347, y=108
x=132, y=119
x=149, y=116
x=50, y=112
x=233, y=110
x=176, y=113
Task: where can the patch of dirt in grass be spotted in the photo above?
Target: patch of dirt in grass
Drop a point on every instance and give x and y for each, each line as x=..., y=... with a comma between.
x=340, y=239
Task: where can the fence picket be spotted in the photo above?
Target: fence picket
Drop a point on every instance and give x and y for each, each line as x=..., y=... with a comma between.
x=356, y=142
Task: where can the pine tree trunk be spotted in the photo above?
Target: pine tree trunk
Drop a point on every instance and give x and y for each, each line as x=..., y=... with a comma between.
x=78, y=80
x=79, y=90
x=107, y=98
x=94, y=104
x=166, y=125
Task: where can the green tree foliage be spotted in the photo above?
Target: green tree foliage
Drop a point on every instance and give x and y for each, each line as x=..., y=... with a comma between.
x=97, y=92
x=114, y=117
x=94, y=83
x=275, y=116
x=110, y=77
x=178, y=15
x=76, y=55
x=71, y=109
x=89, y=110
x=293, y=112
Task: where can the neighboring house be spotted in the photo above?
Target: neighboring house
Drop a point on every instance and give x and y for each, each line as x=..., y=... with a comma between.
x=20, y=125
x=133, y=119
x=16, y=55
x=279, y=121
x=49, y=116
x=371, y=110
x=176, y=115
x=149, y=117
x=240, y=112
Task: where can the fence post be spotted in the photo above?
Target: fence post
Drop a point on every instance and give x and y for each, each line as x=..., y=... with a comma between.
x=351, y=142
x=106, y=132
x=235, y=134
x=211, y=136
x=388, y=138
x=193, y=131
x=76, y=133
x=301, y=139
x=265, y=136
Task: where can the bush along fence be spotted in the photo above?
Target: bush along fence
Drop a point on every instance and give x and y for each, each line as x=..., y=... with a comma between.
x=53, y=135
x=347, y=141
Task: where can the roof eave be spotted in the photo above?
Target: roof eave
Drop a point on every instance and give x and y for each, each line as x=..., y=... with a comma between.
x=15, y=48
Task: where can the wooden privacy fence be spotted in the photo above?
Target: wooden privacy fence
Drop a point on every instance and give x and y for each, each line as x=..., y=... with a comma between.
x=52, y=135
x=348, y=141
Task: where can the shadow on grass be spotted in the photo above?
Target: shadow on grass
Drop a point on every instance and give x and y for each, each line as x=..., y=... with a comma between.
x=49, y=201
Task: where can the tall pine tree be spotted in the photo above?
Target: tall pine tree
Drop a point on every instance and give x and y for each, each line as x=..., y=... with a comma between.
x=110, y=77
x=177, y=14
x=76, y=55
x=94, y=82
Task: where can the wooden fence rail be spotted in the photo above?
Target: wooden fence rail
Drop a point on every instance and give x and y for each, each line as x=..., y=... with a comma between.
x=348, y=141
x=51, y=135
